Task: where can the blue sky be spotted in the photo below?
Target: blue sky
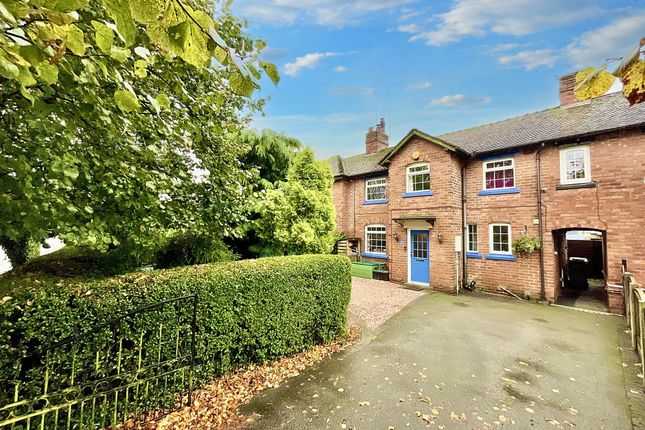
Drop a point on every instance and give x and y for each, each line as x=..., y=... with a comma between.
x=437, y=66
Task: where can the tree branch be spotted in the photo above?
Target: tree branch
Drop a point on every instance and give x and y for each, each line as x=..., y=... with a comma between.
x=17, y=36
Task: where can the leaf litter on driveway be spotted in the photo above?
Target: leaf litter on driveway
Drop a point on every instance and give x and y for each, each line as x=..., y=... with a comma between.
x=215, y=406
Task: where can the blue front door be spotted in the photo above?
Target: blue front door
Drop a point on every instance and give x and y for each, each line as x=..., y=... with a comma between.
x=419, y=257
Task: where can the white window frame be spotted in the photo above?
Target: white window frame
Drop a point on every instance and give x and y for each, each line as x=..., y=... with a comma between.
x=367, y=233
x=468, y=238
x=408, y=182
x=491, y=249
x=563, y=165
x=494, y=169
x=369, y=185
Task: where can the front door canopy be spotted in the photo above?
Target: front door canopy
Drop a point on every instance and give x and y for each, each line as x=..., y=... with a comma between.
x=414, y=220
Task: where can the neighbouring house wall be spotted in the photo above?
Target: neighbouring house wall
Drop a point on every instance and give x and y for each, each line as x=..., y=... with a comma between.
x=521, y=276
x=356, y=215
x=338, y=197
x=616, y=205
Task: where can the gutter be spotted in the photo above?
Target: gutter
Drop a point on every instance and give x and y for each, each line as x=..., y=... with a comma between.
x=540, y=235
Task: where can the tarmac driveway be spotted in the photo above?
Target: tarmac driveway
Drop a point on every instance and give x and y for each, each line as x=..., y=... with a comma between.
x=463, y=361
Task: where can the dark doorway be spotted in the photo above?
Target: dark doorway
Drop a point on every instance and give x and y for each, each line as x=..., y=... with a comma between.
x=581, y=257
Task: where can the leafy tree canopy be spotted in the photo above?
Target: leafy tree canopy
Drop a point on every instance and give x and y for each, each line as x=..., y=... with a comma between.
x=594, y=82
x=298, y=216
x=115, y=116
x=270, y=152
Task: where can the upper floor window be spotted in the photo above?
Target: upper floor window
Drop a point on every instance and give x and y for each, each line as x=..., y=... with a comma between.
x=375, y=239
x=499, y=174
x=472, y=238
x=575, y=166
x=376, y=189
x=500, y=239
x=418, y=178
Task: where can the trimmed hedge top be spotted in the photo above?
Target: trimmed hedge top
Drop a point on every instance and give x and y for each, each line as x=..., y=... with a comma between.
x=248, y=311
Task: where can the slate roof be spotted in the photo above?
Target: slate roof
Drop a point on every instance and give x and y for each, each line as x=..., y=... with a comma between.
x=609, y=112
x=359, y=165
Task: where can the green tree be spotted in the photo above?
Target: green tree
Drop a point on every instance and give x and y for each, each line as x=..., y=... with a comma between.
x=270, y=152
x=298, y=216
x=268, y=156
x=115, y=116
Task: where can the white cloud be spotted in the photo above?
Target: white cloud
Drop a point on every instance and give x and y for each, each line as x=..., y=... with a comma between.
x=308, y=61
x=517, y=18
x=344, y=91
x=409, y=28
x=530, y=59
x=504, y=47
x=460, y=100
x=612, y=40
x=420, y=86
x=340, y=69
x=333, y=13
x=409, y=13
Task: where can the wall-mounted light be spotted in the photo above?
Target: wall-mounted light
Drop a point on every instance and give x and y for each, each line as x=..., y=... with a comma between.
x=396, y=236
x=440, y=237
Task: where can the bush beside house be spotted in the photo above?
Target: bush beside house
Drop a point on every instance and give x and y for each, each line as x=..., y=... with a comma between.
x=248, y=311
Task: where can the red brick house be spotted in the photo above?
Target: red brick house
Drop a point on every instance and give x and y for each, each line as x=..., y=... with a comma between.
x=572, y=177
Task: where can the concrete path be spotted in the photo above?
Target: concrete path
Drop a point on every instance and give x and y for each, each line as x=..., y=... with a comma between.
x=464, y=362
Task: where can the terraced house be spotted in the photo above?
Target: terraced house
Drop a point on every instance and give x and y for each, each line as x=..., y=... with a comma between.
x=443, y=211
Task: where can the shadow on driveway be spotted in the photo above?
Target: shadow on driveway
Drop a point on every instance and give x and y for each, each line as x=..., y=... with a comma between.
x=464, y=362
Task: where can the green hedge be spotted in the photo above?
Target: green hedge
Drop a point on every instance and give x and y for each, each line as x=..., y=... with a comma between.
x=248, y=311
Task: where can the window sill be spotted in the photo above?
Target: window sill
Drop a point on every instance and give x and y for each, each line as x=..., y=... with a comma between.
x=374, y=255
x=471, y=254
x=417, y=194
x=498, y=191
x=375, y=202
x=575, y=186
x=504, y=257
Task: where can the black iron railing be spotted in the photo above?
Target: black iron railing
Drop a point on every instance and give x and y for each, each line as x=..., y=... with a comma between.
x=137, y=367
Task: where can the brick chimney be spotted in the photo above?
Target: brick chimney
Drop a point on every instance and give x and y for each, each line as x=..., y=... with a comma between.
x=375, y=140
x=567, y=84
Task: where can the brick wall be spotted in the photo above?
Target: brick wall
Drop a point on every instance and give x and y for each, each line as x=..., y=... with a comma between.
x=567, y=84
x=445, y=172
x=519, y=210
x=616, y=205
x=339, y=198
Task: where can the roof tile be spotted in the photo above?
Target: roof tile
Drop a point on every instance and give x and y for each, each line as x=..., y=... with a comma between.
x=609, y=112
x=604, y=113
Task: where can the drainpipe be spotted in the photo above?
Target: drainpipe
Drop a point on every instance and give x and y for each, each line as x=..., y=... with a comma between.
x=540, y=235
x=464, y=232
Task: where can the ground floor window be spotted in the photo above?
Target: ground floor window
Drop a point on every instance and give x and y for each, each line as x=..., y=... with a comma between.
x=472, y=238
x=375, y=239
x=500, y=238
